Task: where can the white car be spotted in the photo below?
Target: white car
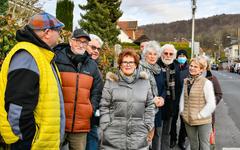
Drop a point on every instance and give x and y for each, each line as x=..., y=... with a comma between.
x=237, y=68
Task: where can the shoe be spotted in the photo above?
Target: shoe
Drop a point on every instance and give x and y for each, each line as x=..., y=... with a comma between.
x=182, y=146
x=172, y=144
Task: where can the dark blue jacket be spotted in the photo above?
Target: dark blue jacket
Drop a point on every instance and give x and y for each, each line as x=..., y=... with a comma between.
x=182, y=72
x=162, y=92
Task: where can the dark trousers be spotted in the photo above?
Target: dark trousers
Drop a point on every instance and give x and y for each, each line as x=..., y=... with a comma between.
x=92, y=139
x=21, y=145
x=182, y=133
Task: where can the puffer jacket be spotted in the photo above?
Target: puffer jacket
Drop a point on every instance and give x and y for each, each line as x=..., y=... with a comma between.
x=82, y=88
x=127, y=113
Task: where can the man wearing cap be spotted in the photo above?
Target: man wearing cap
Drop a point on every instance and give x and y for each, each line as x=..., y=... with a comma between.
x=94, y=46
x=31, y=100
x=82, y=87
x=182, y=71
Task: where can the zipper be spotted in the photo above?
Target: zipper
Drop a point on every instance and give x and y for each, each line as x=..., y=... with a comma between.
x=75, y=103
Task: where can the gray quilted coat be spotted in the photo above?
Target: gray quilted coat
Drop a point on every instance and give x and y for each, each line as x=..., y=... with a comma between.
x=127, y=113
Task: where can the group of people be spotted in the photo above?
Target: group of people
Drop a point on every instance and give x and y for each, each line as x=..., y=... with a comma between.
x=52, y=96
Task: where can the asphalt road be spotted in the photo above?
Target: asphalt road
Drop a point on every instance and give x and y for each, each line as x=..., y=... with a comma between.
x=228, y=112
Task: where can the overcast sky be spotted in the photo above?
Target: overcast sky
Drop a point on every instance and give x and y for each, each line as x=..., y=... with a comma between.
x=160, y=11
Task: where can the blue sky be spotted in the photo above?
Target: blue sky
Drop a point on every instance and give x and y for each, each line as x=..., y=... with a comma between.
x=160, y=11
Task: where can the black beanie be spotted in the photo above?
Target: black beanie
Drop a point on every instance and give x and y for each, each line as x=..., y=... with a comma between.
x=182, y=52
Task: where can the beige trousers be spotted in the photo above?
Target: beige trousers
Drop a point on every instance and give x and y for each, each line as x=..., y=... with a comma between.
x=76, y=141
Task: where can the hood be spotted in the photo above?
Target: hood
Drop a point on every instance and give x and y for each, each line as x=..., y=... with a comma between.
x=27, y=35
x=115, y=78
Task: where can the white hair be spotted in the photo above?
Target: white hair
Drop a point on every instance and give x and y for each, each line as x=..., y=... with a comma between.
x=152, y=45
x=97, y=38
x=169, y=46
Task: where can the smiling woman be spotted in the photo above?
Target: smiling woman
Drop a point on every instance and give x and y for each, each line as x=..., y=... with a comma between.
x=197, y=104
x=126, y=100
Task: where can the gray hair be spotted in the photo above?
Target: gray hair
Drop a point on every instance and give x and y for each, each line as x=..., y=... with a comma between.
x=169, y=46
x=152, y=45
x=207, y=59
x=97, y=38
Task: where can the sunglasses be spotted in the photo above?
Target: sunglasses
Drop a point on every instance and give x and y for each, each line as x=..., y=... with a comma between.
x=166, y=53
x=95, y=48
x=59, y=30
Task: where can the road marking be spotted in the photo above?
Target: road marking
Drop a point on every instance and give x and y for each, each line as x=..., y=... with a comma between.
x=224, y=148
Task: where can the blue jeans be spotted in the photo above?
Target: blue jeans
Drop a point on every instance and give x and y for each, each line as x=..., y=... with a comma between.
x=92, y=139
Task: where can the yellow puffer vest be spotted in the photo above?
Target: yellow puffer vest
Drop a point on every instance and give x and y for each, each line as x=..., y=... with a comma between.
x=47, y=112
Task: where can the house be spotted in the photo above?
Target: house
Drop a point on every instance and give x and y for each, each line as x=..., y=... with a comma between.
x=233, y=51
x=129, y=31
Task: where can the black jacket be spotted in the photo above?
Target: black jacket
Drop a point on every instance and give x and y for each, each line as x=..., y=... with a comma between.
x=168, y=109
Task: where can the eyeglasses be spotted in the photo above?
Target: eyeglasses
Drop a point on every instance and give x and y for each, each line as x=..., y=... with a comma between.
x=166, y=53
x=95, y=48
x=130, y=63
x=83, y=42
x=59, y=30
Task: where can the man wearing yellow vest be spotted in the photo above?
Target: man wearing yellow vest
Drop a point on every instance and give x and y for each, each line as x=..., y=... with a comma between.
x=31, y=99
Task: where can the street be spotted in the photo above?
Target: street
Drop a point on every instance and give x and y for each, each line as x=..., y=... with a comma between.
x=227, y=112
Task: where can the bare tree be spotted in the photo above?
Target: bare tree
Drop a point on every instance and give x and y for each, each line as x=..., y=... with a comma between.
x=21, y=10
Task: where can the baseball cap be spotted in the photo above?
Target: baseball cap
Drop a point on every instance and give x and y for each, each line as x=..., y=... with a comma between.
x=43, y=21
x=77, y=33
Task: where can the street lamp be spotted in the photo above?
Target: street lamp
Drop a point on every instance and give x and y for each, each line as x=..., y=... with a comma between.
x=193, y=25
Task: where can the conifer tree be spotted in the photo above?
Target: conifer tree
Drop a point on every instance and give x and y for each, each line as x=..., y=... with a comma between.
x=64, y=12
x=101, y=19
x=3, y=7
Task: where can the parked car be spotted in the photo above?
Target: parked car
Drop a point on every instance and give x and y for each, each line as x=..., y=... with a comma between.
x=237, y=68
x=214, y=67
x=231, y=69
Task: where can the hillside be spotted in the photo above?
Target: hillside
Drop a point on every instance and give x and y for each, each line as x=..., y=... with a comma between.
x=208, y=31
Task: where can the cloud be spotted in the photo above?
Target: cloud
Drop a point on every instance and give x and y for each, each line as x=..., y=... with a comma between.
x=160, y=11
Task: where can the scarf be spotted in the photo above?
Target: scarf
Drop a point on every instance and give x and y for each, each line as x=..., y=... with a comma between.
x=153, y=68
x=129, y=79
x=190, y=82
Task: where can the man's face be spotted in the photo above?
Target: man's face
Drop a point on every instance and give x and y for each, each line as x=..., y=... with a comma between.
x=49, y=36
x=78, y=45
x=142, y=45
x=93, y=49
x=167, y=56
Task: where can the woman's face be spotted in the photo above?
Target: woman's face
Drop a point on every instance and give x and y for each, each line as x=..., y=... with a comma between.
x=128, y=65
x=194, y=69
x=151, y=57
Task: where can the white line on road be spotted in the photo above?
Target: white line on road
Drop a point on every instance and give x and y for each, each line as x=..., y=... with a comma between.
x=224, y=148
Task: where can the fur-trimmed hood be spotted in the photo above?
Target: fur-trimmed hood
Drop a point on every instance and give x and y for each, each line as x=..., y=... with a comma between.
x=114, y=77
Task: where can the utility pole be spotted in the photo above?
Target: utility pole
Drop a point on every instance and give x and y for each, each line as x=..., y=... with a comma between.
x=238, y=42
x=193, y=26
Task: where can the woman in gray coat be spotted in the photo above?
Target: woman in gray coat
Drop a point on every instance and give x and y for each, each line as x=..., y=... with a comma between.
x=151, y=53
x=126, y=107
